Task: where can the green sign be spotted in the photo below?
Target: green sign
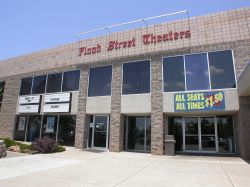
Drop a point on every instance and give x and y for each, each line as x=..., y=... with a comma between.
x=199, y=101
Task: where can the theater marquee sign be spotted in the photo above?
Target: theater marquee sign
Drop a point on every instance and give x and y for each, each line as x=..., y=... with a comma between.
x=147, y=39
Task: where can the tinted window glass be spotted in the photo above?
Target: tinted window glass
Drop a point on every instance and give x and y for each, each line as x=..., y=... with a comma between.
x=197, y=77
x=221, y=70
x=33, y=128
x=39, y=85
x=26, y=84
x=225, y=134
x=20, y=128
x=136, y=77
x=54, y=83
x=2, y=84
x=173, y=71
x=66, y=130
x=71, y=80
x=100, y=81
x=49, y=126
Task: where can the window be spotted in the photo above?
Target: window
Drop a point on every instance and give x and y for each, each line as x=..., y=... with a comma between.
x=66, y=130
x=225, y=134
x=49, y=126
x=136, y=77
x=197, y=76
x=20, y=128
x=221, y=70
x=173, y=68
x=100, y=81
x=2, y=84
x=175, y=128
x=54, y=83
x=26, y=84
x=33, y=128
x=71, y=80
x=39, y=84
x=194, y=72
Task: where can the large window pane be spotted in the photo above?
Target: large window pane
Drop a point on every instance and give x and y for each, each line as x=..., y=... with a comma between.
x=54, y=83
x=66, y=130
x=20, y=128
x=100, y=81
x=2, y=84
x=197, y=77
x=175, y=128
x=49, y=126
x=173, y=72
x=225, y=134
x=26, y=84
x=221, y=70
x=136, y=77
x=34, y=126
x=71, y=81
x=39, y=84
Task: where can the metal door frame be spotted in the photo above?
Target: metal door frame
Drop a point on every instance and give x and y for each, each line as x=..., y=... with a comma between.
x=93, y=133
x=145, y=134
x=199, y=134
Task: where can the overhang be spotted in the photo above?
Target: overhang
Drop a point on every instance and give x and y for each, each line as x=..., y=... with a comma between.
x=244, y=81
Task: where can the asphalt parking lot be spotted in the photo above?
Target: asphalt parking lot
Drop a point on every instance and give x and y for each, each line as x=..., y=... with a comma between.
x=74, y=168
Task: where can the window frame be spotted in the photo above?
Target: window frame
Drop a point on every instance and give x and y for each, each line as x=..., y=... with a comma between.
x=91, y=67
x=1, y=102
x=45, y=90
x=47, y=82
x=20, y=83
x=206, y=52
x=31, y=93
x=184, y=68
x=63, y=80
x=150, y=76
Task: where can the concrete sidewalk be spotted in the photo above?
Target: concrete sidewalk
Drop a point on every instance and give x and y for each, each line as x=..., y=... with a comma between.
x=75, y=168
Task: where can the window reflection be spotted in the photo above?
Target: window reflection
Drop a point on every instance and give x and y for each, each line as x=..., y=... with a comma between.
x=66, y=130
x=173, y=68
x=197, y=77
x=39, y=84
x=136, y=77
x=71, y=80
x=221, y=70
x=100, y=81
x=54, y=83
x=26, y=84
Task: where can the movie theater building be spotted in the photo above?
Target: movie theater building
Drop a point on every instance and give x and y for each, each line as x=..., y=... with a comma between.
x=126, y=91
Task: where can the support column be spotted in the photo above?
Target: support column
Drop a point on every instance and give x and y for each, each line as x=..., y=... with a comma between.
x=242, y=128
x=116, y=119
x=82, y=120
x=9, y=104
x=157, y=121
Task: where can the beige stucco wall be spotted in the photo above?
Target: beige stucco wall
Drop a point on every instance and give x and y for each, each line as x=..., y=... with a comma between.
x=136, y=104
x=98, y=105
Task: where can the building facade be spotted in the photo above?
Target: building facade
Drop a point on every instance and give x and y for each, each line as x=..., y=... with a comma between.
x=128, y=90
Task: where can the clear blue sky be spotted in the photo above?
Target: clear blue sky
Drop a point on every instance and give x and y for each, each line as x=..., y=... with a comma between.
x=31, y=25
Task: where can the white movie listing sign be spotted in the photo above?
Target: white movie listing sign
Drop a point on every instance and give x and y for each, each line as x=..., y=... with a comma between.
x=57, y=98
x=29, y=104
x=57, y=103
x=28, y=108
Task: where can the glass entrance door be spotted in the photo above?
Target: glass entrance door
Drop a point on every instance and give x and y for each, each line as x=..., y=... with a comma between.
x=191, y=134
x=214, y=134
x=200, y=135
x=138, y=133
x=100, y=132
x=207, y=133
